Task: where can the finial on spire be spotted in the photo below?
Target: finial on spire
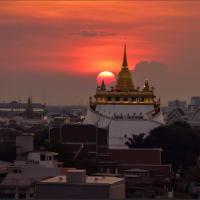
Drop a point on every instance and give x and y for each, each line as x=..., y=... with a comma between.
x=125, y=63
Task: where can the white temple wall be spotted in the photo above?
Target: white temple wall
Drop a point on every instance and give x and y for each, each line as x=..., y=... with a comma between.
x=110, y=110
x=120, y=131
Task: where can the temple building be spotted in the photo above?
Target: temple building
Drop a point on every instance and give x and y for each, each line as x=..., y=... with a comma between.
x=124, y=109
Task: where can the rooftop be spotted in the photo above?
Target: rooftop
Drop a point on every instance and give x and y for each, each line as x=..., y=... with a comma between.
x=89, y=180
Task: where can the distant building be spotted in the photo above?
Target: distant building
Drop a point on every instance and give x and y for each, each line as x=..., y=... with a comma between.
x=179, y=111
x=77, y=185
x=28, y=110
x=175, y=115
x=177, y=104
x=194, y=104
x=194, y=120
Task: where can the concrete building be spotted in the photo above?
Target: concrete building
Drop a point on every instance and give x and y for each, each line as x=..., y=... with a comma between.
x=77, y=185
x=24, y=145
x=20, y=178
x=44, y=158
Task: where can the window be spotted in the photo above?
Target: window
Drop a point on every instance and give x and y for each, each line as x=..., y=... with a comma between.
x=109, y=98
x=42, y=157
x=133, y=99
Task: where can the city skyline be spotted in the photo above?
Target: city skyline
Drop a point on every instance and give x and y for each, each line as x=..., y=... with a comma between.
x=53, y=50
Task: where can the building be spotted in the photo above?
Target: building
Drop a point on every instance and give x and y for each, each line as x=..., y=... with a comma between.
x=91, y=143
x=118, y=161
x=179, y=111
x=19, y=178
x=17, y=108
x=177, y=104
x=124, y=109
x=194, y=120
x=77, y=185
x=44, y=158
x=175, y=115
x=194, y=104
x=24, y=145
x=87, y=141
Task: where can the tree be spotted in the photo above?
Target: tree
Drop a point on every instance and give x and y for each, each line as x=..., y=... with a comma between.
x=180, y=144
x=136, y=141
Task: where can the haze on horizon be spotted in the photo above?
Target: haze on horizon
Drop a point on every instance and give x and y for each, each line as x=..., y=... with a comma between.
x=53, y=50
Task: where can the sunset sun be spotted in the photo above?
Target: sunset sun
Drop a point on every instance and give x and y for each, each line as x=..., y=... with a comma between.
x=107, y=76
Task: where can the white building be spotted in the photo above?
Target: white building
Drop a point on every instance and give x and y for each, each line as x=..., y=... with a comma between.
x=44, y=158
x=21, y=176
x=124, y=109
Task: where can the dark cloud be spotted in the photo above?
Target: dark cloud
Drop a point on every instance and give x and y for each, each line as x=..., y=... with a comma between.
x=86, y=33
x=152, y=71
x=169, y=84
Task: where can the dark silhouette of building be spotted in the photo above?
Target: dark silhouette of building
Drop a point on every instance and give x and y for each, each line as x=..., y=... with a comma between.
x=29, y=109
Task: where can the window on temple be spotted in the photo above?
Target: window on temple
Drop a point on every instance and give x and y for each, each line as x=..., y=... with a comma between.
x=133, y=99
x=42, y=157
x=109, y=98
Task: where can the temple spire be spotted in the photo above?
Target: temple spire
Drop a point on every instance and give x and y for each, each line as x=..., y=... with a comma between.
x=103, y=86
x=125, y=63
x=124, y=80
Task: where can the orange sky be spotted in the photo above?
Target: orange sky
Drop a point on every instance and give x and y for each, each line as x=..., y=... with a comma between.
x=88, y=36
x=72, y=41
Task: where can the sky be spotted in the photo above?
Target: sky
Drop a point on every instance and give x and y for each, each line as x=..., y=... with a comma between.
x=53, y=50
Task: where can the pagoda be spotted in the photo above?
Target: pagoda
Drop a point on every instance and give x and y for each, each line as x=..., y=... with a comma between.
x=124, y=109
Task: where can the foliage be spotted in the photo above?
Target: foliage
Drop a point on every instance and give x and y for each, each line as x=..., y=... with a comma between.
x=137, y=141
x=179, y=142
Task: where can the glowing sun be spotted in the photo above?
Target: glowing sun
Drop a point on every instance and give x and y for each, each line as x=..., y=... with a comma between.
x=107, y=76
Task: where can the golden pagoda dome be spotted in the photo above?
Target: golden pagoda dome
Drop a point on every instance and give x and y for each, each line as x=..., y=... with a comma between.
x=124, y=81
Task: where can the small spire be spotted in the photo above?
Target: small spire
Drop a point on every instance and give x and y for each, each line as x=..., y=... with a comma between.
x=125, y=63
x=103, y=86
x=146, y=86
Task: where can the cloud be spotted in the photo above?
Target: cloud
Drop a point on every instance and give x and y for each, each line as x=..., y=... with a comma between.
x=169, y=85
x=154, y=71
x=88, y=33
